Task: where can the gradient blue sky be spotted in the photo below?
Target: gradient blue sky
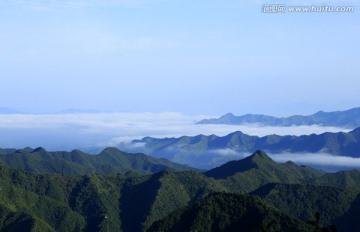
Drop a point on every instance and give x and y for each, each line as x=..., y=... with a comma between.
x=194, y=57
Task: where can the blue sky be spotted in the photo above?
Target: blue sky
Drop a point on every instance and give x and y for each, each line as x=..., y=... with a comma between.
x=194, y=57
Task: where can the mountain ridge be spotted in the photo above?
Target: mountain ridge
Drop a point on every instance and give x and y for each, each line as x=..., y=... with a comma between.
x=76, y=162
x=230, y=168
x=206, y=152
x=229, y=212
x=117, y=202
x=347, y=118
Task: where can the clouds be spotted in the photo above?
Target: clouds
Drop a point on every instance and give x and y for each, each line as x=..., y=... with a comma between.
x=92, y=132
x=318, y=159
x=322, y=161
x=109, y=129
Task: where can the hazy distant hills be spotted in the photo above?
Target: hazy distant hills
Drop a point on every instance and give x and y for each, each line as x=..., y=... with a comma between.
x=110, y=160
x=348, y=119
x=208, y=151
x=283, y=197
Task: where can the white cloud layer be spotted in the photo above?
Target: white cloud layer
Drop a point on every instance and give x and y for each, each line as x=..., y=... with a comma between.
x=69, y=131
x=92, y=132
x=318, y=159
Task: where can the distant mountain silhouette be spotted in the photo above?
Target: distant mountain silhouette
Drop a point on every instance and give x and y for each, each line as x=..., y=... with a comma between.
x=208, y=151
x=348, y=118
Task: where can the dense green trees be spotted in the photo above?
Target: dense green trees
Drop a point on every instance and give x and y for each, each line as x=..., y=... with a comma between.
x=229, y=212
x=284, y=197
x=110, y=160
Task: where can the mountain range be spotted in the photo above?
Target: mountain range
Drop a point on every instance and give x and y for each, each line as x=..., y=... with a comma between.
x=278, y=197
x=347, y=119
x=76, y=162
x=206, y=152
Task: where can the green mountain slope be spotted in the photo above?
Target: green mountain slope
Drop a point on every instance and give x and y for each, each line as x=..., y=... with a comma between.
x=110, y=160
x=257, y=160
x=132, y=203
x=229, y=212
x=259, y=169
x=6, y=151
x=66, y=203
x=350, y=220
x=342, y=179
x=303, y=201
x=11, y=221
x=97, y=202
x=147, y=199
x=22, y=193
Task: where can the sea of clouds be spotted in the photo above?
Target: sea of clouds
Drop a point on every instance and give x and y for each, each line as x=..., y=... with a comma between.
x=71, y=131
x=93, y=132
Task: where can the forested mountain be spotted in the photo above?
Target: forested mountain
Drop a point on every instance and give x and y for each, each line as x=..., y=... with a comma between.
x=209, y=151
x=341, y=179
x=331, y=202
x=130, y=202
x=96, y=202
x=348, y=118
x=262, y=162
x=110, y=160
x=248, y=174
x=230, y=212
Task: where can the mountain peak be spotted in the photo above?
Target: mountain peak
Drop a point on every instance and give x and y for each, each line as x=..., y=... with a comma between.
x=257, y=160
x=77, y=152
x=259, y=156
x=39, y=150
x=24, y=150
x=110, y=150
x=228, y=115
x=356, y=131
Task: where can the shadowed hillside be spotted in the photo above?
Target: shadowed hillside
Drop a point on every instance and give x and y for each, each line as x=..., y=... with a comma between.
x=230, y=212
